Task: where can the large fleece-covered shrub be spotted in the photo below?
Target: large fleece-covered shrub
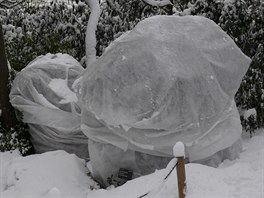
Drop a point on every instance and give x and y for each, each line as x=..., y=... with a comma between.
x=43, y=93
x=169, y=79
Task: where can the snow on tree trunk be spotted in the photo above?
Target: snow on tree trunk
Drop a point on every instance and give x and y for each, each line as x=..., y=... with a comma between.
x=90, y=38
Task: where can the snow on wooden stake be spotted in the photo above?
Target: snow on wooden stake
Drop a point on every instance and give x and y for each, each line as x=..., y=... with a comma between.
x=178, y=150
x=179, y=153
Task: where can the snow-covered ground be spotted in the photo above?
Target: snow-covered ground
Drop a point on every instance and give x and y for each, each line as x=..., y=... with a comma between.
x=61, y=175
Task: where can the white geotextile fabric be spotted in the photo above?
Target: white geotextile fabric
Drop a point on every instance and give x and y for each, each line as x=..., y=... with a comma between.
x=169, y=79
x=43, y=92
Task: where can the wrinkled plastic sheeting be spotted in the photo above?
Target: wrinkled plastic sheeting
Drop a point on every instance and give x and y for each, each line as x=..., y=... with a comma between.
x=169, y=79
x=106, y=160
x=43, y=93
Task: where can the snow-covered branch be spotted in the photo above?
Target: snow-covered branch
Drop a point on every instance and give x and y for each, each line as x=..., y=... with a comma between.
x=90, y=38
x=112, y=6
x=9, y=3
x=158, y=3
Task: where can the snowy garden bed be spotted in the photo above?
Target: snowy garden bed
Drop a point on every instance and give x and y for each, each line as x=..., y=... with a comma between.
x=58, y=174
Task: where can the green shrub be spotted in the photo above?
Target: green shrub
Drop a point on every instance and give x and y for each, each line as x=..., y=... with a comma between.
x=16, y=138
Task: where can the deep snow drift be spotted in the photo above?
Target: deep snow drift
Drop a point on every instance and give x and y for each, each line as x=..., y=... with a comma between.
x=58, y=174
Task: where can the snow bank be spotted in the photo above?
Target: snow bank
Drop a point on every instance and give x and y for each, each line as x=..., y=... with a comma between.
x=52, y=174
x=61, y=175
x=43, y=92
x=165, y=81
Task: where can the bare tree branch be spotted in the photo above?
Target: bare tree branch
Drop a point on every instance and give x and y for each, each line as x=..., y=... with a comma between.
x=7, y=4
x=158, y=3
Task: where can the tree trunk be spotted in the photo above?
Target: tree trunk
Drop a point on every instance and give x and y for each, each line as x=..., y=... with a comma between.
x=170, y=12
x=7, y=114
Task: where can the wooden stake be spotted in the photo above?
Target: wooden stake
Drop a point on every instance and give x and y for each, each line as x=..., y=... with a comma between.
x=181, y=177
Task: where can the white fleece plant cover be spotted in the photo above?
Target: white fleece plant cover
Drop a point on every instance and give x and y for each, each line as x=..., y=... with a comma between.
x=43, y=92
x=169, y=79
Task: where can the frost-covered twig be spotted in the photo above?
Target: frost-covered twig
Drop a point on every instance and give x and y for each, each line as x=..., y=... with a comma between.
x=90, y=37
